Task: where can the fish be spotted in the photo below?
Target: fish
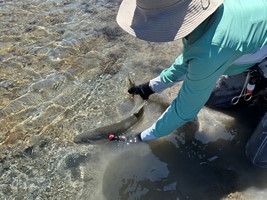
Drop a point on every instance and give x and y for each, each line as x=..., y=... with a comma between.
x=101, y=134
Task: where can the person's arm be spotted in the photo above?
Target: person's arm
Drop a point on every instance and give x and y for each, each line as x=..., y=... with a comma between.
x=170, y=76
x=203, y=72
x=175, y=73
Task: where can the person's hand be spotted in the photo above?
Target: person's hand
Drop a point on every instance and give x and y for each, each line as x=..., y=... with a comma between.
x=143, y=90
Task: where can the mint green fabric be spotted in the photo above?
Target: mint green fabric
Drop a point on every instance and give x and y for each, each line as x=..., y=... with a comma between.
x=238, y=27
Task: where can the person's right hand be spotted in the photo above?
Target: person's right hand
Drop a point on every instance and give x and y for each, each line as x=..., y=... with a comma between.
x=143, y=90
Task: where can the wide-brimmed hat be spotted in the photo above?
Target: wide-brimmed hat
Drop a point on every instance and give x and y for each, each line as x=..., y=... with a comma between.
x=164, y=20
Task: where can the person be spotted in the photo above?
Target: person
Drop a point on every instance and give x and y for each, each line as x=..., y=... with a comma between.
x=221, y=40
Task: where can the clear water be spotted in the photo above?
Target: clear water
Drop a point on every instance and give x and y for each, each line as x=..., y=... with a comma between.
x=63, y=69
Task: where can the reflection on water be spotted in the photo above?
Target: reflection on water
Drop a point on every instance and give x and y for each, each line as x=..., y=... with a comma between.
x=63, y=70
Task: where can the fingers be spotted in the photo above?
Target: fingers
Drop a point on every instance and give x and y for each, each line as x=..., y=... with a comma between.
x=138, y=91
x=143, y=90
x=133, y=90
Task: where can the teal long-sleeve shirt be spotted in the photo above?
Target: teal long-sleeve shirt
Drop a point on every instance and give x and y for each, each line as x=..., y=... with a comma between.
x=238, y=27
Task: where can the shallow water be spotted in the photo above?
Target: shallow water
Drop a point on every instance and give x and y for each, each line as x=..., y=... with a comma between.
x=63, y=70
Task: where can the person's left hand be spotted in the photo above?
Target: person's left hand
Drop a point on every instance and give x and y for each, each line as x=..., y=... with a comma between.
x=143, y=90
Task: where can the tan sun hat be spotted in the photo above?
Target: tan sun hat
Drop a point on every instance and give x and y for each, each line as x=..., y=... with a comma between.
x=164, y=20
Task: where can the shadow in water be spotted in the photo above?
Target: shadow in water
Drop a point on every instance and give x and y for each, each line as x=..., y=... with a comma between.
x=181, y=167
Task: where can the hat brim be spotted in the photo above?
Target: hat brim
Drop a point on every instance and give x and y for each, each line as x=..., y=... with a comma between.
x=167, y=24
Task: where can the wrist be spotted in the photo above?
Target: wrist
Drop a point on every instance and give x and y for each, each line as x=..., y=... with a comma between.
x=146, y=90
x=158, y=85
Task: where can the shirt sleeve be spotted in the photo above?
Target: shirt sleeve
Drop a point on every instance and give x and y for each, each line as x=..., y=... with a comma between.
x=175, y=72
x=203, y=71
